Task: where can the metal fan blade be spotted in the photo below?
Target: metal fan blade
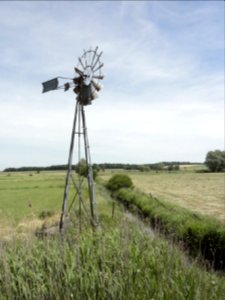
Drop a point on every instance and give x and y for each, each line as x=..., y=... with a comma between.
x=96, y=61
x=94, y=55
x=98, y=77
x=99, y=67
x=81, y=63
x=78, y=71
x=85, y=58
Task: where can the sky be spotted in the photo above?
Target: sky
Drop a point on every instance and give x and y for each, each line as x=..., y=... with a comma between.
x=163, y=95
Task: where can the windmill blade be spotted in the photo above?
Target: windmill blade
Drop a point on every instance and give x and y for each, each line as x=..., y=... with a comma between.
x=81, y=63
x=90, y=53
x=98, y=77
x=94, y=55
x=94, y=65
x=99, y=67
x=78, y=71
x=85, y=58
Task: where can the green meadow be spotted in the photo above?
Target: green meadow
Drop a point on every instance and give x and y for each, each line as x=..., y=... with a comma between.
x=123, y=259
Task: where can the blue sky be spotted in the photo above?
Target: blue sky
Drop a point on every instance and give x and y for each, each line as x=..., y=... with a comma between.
x=163, y=96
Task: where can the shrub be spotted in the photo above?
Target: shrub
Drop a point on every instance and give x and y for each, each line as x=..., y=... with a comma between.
x=215, y=161
x=46, y=214
x=119, y=181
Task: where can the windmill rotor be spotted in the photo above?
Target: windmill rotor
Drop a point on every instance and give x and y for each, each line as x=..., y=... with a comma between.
x=89, y=69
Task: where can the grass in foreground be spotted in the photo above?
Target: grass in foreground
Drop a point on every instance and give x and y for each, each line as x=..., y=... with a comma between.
x=119, y=262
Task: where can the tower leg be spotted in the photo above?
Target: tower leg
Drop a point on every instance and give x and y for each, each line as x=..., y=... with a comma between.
x=79, y=117
x=66, y=190
x=94, y=219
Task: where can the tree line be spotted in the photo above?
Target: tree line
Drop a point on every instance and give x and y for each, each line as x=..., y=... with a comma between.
x=215, y=161
x=104, y=166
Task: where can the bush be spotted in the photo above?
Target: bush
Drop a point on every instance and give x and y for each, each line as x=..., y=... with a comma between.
x=215, y=161
x=46, y=214
x=119, y=181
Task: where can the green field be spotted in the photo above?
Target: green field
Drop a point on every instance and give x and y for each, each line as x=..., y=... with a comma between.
x=203, y=193
x=23, y=196
x=124, y=259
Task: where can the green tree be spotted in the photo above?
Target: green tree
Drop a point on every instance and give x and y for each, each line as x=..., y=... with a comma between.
x=82, y=169
x=215, y=161
x=144, y=168
x=173, y=167
x=119, y=181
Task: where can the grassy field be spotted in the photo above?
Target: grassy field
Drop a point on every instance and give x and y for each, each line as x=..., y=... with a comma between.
x=25, y=195
x=122, y=260
x=203, y=193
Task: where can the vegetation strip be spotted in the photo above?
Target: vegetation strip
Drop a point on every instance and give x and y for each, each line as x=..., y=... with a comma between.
x=119, y=262
x=199, y=234
x=122, y=260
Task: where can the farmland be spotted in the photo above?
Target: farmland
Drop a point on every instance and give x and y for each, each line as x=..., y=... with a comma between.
x=123, y=260
x=203, y=193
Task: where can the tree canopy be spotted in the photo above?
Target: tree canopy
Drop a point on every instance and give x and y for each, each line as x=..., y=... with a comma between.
x=215, y=161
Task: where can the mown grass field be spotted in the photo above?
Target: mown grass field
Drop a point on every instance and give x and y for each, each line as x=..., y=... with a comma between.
x=203, y=193
x=122, y=260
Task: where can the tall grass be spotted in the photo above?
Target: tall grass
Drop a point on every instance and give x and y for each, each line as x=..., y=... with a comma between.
x=121, y=262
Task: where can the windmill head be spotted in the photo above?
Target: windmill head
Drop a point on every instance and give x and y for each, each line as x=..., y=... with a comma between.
x=86, y=84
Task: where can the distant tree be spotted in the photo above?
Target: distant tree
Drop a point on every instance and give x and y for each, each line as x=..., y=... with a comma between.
x=176, y=167
x=215, y=161
x=82, y=169
x=144, y=168
x=119, y=181
x=170, y=167
x=173, y=167
x=158, y=166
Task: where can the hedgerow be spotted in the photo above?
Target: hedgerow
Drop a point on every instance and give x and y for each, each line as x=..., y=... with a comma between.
x=199, y=234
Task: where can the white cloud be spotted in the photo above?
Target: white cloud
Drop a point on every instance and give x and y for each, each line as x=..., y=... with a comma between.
x=163, y=90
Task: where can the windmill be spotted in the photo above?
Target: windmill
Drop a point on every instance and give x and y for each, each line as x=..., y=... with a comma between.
x=86, y=86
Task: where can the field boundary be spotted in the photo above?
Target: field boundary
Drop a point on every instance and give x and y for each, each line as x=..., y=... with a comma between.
x=198, y=234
